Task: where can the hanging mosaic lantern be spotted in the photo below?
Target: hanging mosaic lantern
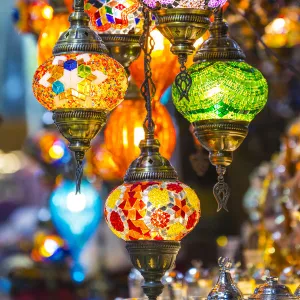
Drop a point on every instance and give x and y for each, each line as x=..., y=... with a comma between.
x=80, y=84
x=120, y=25
x=51, y=33
x=225, y=96
x=122, y=138
x=31, y=16
x=152, y=211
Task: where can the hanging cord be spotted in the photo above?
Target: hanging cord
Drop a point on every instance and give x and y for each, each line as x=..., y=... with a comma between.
x=183, y=80
x=269, y=51
x=148, y=87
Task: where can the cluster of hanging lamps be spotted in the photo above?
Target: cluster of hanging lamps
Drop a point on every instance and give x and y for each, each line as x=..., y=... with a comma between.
x=225, y=95
x=81, y=84
x=51, y=33
x=31, y=16
x=152, y=211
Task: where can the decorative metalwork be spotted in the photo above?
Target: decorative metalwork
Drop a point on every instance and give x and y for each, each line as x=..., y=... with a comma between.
x=225, y=288
x=153, y=259
x=221, y=138
x=182, y=27
x=219, y=46
x=272, y=290
x=221, y=189
x=148, y=87
x=79, y=38
x=79, y=127
x=183, y=80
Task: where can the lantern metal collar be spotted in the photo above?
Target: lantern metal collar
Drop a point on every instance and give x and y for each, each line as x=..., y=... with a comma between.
x=150, y=165
x=79, y=38
x=219, y=46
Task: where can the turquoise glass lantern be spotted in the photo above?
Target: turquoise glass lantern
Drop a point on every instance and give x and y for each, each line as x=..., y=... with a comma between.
x=76, y=218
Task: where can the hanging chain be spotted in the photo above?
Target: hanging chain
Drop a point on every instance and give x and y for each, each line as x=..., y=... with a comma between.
x=183, y=80
x=148, y=87
x=79, y=155
x=221, y=189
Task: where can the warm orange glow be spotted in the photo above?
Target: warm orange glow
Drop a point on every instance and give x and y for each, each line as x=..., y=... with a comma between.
x=49, y=36
x=164, y=65
x=69, y=4
x=100, y=162
x=124, y=131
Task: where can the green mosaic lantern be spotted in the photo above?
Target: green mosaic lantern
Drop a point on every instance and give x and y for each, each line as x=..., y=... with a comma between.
x=226, y=94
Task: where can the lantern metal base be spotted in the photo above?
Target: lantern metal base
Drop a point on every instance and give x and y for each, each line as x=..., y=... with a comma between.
x=124, y=48
x=182, y=27
x=79, y=127
x=153, y=259
x=221, y=138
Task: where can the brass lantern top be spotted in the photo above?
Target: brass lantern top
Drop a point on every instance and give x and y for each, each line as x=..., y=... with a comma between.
x=150, y=165
x=79, y=38
x=219, y=46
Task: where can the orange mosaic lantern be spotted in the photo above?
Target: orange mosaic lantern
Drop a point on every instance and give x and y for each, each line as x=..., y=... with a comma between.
x=122, y=138
x=162, y=60
x=80, y=81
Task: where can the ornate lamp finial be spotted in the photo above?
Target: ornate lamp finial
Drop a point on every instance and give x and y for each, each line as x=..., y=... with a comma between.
x=225, y=288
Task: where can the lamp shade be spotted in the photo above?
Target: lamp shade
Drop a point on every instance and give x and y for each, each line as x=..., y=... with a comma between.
x=122, y=138
x=162, y=59
x=152, y=210
x=76, y=217
x=80, y=81
x=115, y=17
x=223, y=90
x=50, y=34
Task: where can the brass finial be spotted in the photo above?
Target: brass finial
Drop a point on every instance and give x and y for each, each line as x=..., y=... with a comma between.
x=225, y=288
x=79, y=38
x=219, y=46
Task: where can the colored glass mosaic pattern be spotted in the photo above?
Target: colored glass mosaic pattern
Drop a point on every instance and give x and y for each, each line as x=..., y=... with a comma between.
x=80, y=81
x=116, y=17
x=201, y=4
x=223, y=90
x=216, y=3
x=158, y=210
